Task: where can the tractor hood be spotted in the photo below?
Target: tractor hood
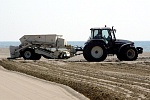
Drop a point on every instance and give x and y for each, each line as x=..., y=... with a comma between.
x=121, y=41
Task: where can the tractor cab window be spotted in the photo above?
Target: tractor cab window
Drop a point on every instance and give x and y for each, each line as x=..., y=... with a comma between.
x=96, y=34
x=101, y=34
x=106, y=35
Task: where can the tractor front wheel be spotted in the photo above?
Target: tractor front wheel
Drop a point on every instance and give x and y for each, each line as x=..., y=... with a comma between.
x=128, y=54
x=131, y=54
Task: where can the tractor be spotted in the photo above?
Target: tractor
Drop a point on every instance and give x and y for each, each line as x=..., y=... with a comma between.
x=103, y=42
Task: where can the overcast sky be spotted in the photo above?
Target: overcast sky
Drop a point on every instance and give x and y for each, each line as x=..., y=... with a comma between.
x=74, y=18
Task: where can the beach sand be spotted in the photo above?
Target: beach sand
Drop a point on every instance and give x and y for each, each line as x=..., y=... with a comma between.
x=110, y=79
x=17, y=86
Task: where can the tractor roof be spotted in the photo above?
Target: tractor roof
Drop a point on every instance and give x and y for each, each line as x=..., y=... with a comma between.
x=100, y=28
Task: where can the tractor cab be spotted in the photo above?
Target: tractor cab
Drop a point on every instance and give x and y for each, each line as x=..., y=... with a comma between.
x=105, y=33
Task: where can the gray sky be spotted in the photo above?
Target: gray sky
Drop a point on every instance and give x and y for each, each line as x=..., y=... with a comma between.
x=74, y=18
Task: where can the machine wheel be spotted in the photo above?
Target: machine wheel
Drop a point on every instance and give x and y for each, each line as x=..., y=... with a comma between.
x=28, y=54
x=94, y=52
x=128, y=54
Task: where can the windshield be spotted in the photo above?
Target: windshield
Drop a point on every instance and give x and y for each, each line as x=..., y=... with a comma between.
x=105, y=33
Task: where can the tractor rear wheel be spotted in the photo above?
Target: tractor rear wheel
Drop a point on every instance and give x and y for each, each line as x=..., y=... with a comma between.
x=94, y=52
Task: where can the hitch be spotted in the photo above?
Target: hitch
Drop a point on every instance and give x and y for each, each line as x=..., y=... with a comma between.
x=77, y=48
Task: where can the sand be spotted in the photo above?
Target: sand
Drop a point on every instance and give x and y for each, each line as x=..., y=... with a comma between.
x=110, y=79
x=17, y=86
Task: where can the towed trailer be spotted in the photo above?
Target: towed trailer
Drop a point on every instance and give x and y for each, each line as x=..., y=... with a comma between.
x=49, y=46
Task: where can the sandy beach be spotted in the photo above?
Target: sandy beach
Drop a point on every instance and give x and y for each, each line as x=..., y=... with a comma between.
x=110, y=79
x=18, y=86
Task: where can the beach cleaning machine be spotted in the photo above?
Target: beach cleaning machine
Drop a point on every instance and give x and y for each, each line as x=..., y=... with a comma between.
x=50, y=46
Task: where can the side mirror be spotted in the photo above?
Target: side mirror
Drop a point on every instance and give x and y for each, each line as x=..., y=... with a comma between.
x=114, y=30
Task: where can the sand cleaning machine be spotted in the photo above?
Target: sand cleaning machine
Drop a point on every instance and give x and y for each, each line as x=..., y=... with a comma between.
x=50, y=46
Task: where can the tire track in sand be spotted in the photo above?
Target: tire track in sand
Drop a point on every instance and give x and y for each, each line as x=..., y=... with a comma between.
x=130, y=80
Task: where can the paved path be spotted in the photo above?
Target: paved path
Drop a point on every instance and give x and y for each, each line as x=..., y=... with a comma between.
x=17, y=86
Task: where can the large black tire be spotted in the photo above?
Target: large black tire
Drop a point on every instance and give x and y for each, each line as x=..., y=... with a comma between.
x=94, y=52
x=120, y=56
x=29, y=54
x=131, y=54
x=128, y=54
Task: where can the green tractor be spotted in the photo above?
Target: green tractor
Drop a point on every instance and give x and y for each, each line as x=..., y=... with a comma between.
x=103, y=42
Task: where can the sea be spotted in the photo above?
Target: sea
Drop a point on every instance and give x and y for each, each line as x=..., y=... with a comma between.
x=144, y=44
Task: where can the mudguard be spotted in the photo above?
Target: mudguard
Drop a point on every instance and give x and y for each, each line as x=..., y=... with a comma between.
x=125, y=46
x=97, y=41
